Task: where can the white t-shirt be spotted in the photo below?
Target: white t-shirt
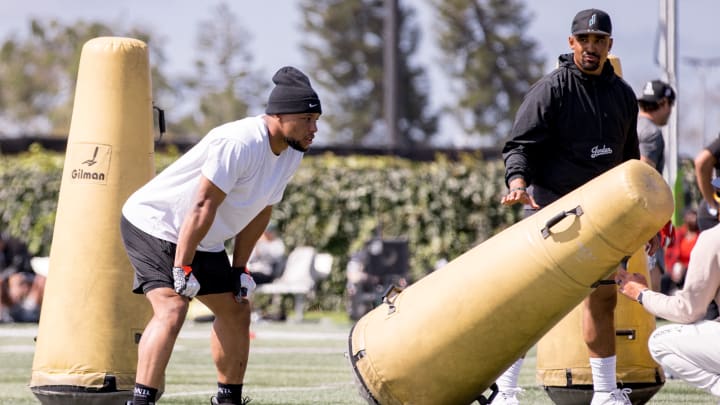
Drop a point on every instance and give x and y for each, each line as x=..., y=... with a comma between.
x=237, y=158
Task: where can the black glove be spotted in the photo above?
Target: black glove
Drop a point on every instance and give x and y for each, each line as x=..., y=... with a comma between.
x=244, y=283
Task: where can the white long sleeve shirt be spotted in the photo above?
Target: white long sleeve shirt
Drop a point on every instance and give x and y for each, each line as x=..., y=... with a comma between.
x=702, y=284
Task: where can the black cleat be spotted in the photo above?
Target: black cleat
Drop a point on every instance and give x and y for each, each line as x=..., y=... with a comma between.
x=213, y=401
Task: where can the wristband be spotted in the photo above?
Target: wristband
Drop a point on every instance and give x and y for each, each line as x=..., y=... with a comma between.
x=186, y=269
x=639, y=297
x=241, y=269
x=518, y=189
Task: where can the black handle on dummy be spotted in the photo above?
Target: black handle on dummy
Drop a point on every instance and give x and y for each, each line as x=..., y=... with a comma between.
x=577, y=211
x=390, y=295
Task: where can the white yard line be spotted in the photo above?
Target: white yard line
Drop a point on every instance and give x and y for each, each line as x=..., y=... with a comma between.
x=324, y=387
x=192, y=333
x=17, y=349
x=273, y=335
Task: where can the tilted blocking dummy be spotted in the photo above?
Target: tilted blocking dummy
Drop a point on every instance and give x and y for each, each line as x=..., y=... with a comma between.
x=446, y=338
x=86, y=345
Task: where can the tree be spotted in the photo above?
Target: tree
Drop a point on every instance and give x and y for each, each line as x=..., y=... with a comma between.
x=490, y=63
x=38, y=73
x=345, y=49
x=223, y=86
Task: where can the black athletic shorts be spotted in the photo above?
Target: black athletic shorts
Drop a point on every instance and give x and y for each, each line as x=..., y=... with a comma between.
x=153, y=261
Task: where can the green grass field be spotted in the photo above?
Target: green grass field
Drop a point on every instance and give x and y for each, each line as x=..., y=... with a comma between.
x=290, y=363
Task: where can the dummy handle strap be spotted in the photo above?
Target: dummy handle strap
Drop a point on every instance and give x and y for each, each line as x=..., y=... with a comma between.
x=577, y=211
x=391, y=293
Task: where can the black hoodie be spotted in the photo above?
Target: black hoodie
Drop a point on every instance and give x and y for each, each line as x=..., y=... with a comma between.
x=571, y=127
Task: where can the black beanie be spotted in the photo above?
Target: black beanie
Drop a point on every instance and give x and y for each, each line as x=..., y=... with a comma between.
x=292, y=94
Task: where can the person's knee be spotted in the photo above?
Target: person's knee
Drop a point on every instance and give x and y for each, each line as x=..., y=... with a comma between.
x=657, y=343
x=603, y=299
x=237, y=316
x=172, y=313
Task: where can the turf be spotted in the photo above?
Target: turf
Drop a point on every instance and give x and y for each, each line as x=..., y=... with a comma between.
x=290, y=363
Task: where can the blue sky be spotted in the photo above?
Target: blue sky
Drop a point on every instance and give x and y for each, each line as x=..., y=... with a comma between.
x=274, y=27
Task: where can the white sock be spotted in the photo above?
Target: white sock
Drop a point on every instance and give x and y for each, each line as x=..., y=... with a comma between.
x=603, y=373
x=509, y=379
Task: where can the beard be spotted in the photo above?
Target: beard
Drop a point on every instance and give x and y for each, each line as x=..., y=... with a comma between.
x=295, y=144
x=590, y=66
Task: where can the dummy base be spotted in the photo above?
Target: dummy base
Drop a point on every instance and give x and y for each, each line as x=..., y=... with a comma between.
x=582, y=394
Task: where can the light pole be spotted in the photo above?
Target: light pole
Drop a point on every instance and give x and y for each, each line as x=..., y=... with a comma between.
x=390, y=79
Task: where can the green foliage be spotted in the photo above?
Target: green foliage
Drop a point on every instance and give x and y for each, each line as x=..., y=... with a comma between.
x=345, y=45
x=490, y=61
x=223, y=85
x=38, y=72
x=443, y=207
x=28, y=196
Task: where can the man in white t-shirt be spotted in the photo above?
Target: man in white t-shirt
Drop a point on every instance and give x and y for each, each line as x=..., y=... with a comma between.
x=175, y=227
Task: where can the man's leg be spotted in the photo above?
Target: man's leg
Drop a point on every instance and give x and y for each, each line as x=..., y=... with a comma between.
x=158, y=339
x=508, y=384
x=690, y=352
x=599, y=335
x=599, y=321
x=229, y=343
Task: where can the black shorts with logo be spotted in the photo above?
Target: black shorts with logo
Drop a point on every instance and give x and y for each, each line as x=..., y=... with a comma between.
x=153, y=260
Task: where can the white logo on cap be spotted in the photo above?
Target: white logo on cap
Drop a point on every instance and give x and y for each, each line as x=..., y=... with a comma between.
x=648, y=89
x=311, y=105
x=592, y=20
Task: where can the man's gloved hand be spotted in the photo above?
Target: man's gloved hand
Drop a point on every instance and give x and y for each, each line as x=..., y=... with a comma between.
x=244, y=283
x=185, y=282
x=667, y=234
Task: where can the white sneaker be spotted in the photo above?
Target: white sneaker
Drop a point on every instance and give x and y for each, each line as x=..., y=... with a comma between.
x=615, y=397
x=507, y=397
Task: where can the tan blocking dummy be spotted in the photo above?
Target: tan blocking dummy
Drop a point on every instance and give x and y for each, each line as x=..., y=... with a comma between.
x=446, y=338
x=90, y=319
x=563, y=365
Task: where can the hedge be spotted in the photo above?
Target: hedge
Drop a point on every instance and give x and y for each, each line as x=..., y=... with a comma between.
x=443, y=207
x=336, y=204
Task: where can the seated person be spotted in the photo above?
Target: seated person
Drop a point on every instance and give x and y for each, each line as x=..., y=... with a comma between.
x=267, y=259
x=21, y=290
x=21, y=297
x=686, y=348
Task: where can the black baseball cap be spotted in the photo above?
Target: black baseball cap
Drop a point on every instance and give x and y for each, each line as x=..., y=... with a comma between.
x=591, y=21
x=656, y=90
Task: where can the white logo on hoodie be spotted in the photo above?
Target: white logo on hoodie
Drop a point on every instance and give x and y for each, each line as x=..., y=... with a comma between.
x=598, y=151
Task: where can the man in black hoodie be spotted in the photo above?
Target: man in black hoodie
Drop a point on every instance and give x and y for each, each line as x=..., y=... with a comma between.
x=574, y=124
